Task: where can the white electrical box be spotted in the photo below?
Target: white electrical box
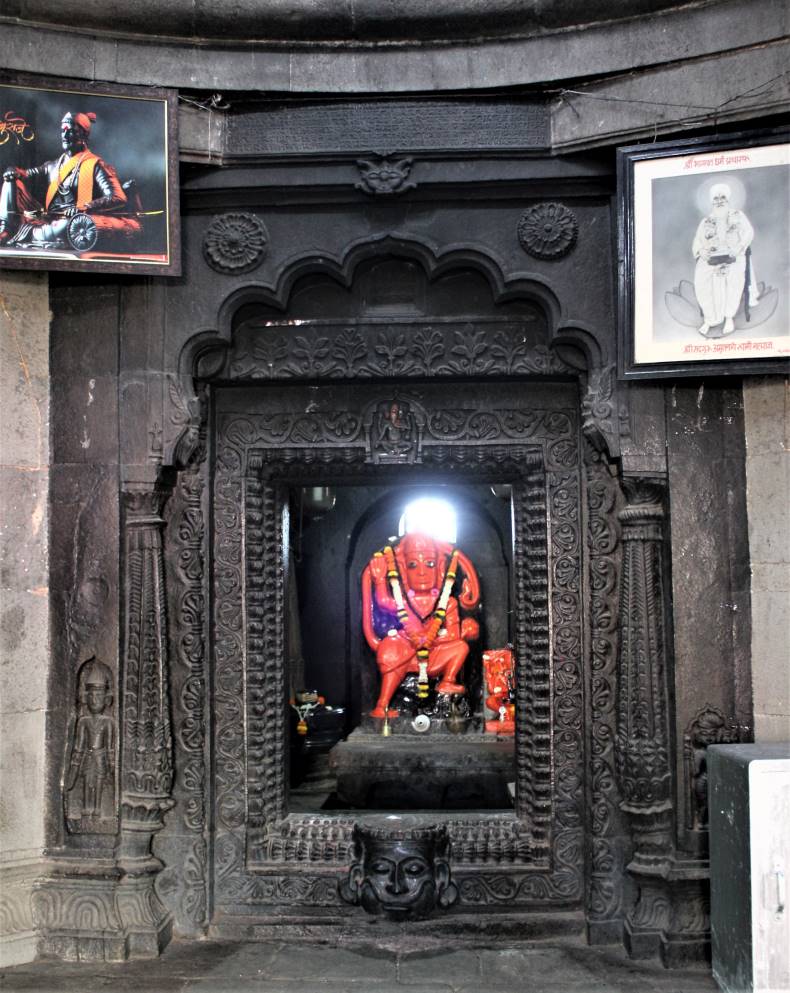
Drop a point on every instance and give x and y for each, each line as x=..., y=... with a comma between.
x=749, y=804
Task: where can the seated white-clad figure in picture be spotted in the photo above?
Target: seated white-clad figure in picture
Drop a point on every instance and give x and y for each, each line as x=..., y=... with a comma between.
x=719, y=247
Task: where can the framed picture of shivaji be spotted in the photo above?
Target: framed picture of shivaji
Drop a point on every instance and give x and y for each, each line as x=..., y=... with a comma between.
x=704, y=254
x=88, y=177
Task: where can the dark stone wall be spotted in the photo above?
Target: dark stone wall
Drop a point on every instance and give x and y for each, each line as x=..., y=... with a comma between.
x=84, y=497
x=143, y=367
x=313, y=48
x=710, y=565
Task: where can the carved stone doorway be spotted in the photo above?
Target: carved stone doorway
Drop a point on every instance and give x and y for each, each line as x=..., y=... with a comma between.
x=495, y=405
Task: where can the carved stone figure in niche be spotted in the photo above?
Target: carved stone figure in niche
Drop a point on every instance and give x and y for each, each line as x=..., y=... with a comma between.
x=399, y=870
x=709, y=727
x=90, y=776
x=499, y=673
x=395, y=433
x=412, y=621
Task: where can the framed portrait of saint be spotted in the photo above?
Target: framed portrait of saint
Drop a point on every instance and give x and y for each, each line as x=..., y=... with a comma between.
x=704, y=250
x=88, y=177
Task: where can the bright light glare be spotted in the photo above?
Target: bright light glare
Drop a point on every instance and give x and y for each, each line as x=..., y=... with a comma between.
x=432, y=516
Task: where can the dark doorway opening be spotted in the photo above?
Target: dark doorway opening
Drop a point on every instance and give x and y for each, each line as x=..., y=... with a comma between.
x=341, y=757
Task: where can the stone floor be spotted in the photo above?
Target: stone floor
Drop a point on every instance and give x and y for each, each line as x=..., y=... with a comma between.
x=564, y=966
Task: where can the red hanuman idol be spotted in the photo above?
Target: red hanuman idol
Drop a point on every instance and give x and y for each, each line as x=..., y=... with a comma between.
x=498, y=666
x=408, y=590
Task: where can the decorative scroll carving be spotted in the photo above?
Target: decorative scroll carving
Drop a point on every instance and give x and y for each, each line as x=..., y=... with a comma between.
x=229, y=782
x=16, y=905
x=235, y=243
x=709, y=727
x=334, y=351
x=385, y=176
x=605, y=880
x=182, y=846
x=89, y=799
x=548, y=230
x=566, y=664
x=311, y=429
x=517, y=425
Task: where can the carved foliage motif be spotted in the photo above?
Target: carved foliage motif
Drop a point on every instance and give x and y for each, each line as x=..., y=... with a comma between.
x=187, y=416
x=247, y=463
x=228, y=653
x=709, y=727
x=235, y=243
x=185, y=889
x=603, y=421
x=548, y=230
x=147, y=740
x=605, y=881
x=394, y=350
x=385, y=176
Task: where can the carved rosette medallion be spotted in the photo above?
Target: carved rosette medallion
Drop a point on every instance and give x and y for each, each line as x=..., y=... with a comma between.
x=548, y=230
x=235, y=243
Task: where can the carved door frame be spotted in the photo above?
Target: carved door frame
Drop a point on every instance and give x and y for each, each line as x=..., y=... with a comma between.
x=531, y=857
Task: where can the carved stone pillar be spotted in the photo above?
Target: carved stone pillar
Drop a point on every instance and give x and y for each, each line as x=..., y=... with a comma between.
x=642, y=743
x=146, y=746
x=98, y=903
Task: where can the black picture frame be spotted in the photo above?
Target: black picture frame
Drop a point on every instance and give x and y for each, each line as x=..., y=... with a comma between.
x=135, y=134
x=671, y=253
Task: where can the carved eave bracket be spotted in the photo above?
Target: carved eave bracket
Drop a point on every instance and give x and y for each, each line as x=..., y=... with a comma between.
x=605, y=415
x=185, y=410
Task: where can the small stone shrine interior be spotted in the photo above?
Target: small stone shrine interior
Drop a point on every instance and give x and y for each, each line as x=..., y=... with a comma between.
x=396, y=316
